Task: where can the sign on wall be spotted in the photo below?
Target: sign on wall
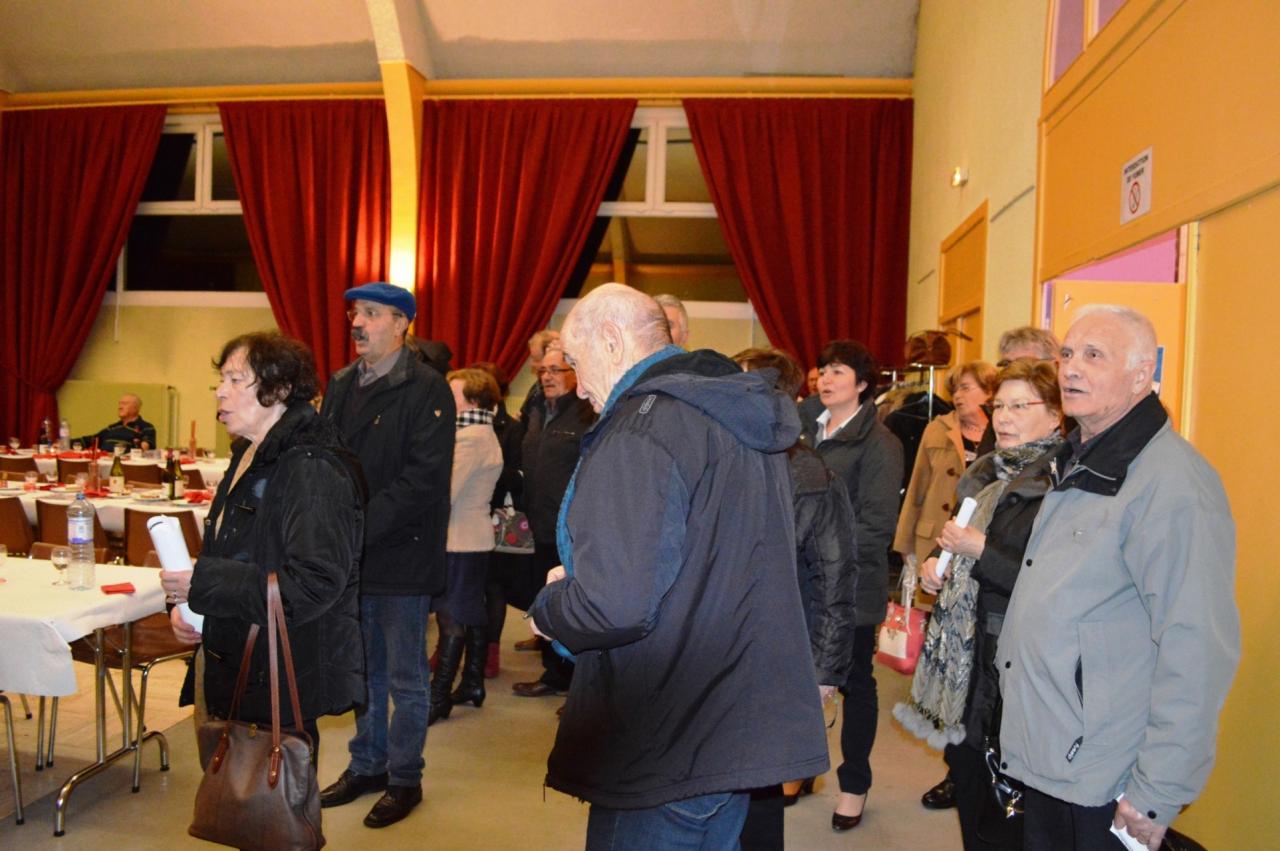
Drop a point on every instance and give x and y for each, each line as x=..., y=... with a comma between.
x=1135, y=187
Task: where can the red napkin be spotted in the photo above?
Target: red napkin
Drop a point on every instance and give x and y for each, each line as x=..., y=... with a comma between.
x=119, y=588
x=186, y=459
x=97, y=493
x=48, y=487
x=73, y=456
x=197, y=497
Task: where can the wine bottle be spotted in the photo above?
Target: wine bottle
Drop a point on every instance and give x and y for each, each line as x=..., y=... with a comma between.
x=116, y=477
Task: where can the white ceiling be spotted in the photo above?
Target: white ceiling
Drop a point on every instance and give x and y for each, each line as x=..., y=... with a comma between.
x=67, y=45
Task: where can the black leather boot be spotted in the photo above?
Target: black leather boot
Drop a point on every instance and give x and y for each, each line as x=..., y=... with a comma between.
x=471, y=689
x=442, y=679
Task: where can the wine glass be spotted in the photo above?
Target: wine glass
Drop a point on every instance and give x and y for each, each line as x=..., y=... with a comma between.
x=14, y=443
x=61, y=557
x=77, y=446
x=29, y=480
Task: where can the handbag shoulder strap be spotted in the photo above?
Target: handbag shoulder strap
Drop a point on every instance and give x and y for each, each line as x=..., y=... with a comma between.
x=242, y=679
x=276, y=622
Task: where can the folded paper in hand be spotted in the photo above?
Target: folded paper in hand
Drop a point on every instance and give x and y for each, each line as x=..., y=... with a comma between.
x=171, y=547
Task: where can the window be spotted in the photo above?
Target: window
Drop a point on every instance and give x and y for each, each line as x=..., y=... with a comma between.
x=657, y=228
x=189, y=232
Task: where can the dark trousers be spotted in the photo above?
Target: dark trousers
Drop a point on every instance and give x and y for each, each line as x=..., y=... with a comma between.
x=861, y=710
x=968, y=771
x=1055, y=825
x=557, y=671
x=764, y=828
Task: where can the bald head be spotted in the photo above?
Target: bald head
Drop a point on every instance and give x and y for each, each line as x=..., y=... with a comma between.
x=611, y=329
x=128, y=408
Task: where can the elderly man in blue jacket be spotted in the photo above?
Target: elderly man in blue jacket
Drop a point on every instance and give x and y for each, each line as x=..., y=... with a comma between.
x=678, y=594
x=1122, y=633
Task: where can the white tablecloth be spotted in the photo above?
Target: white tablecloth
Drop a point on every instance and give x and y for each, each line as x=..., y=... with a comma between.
x=212, y=470
x=110, y=509
x=37, y=619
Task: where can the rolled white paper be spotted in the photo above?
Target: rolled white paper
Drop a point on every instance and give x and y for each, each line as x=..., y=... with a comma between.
x=963, y=516
x=171, y=547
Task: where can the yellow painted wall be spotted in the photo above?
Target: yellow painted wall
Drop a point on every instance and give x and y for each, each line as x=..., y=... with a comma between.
x=168, y=345
x=1196, y=81
x=977, y=96
x=1233, y=387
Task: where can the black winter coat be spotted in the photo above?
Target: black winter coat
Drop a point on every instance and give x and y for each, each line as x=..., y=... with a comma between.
x=826, y=563
x=693, y=671
x=297, y=509
x=868, y=459
x=548, y=456
x=996, y=572
x=404, y=439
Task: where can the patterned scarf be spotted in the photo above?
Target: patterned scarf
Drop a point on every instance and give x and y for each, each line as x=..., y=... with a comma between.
x=475, y=416
x=940, y=688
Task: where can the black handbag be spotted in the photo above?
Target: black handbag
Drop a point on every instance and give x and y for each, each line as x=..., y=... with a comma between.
x=999, y=818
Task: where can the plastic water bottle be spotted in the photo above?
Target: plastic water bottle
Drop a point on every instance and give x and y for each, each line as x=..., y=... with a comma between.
x=80, y=516
x=64, y=435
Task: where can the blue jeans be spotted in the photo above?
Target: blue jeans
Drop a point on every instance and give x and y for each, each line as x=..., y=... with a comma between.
x=395, y=657
x=705, y=823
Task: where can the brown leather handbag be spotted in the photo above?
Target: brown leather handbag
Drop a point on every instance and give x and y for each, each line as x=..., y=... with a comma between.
x=259, y=791
x=928, y=348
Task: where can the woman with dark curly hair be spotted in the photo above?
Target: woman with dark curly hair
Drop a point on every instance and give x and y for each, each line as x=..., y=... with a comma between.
x=292, y=502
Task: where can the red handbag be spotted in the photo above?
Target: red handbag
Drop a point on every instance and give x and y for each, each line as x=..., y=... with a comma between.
x=902, y=633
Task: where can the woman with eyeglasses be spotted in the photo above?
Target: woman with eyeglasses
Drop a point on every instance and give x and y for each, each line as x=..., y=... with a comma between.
x=955, y=695
x=948, y=446
x=549, y=454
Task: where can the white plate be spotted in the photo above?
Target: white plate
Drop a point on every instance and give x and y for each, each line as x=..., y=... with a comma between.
x=150, y=500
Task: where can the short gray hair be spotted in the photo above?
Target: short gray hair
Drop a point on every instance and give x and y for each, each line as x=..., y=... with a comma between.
x=637, y=314
x=1142, y=347
x=543, y=340
x=668, y=300
x=1045, y=343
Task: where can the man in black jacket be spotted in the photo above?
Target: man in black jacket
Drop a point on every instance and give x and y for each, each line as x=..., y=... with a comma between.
x=397, y=415
x=678, y=594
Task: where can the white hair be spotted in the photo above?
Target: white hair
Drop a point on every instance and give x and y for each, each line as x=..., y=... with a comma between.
x=1142, y=334
x=637, y=314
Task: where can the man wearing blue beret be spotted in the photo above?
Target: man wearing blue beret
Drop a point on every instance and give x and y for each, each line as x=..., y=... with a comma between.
x=397, y=414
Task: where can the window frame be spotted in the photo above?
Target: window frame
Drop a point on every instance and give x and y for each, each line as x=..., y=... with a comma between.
x=657, y=120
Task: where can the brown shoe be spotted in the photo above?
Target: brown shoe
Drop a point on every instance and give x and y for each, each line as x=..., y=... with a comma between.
x=530, y=645
x=537, y=688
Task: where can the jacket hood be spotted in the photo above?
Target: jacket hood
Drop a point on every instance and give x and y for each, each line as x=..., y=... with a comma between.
x=745, y=403
x=300, y=425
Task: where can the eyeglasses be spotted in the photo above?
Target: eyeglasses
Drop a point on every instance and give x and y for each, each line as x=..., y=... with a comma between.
x=553, y=370
x=1013, y=407
x=369, y=313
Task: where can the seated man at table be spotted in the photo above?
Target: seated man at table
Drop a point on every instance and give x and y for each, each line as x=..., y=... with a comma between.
x=131, y=430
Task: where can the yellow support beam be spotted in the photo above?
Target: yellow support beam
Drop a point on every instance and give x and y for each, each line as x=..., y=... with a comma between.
x=403, y=86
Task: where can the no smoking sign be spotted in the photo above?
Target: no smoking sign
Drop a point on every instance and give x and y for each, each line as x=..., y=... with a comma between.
x=1135, y=187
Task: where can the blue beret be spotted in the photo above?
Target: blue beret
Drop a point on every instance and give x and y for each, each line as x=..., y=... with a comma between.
x=384, y=293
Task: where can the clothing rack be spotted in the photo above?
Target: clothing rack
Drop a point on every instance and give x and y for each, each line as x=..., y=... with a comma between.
x=920, y=369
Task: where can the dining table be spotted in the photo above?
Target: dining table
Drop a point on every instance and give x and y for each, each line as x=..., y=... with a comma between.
x=110, y=509
x=39, y=620
x=211, y=469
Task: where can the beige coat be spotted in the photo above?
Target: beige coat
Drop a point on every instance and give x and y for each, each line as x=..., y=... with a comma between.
x=931, y=495
x=477, y=463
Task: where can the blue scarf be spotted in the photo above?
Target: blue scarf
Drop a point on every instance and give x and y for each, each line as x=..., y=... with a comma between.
x=564, y=542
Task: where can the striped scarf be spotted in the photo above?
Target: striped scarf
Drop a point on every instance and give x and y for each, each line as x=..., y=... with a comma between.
x=475, y=416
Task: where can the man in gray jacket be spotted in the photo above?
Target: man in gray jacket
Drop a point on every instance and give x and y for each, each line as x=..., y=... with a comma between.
x=1122, y=635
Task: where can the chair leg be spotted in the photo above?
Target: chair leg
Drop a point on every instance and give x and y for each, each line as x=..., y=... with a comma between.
x=53, y=730
x=40, y=735
x=18, y=816
x=26, y=707
x=142, y=728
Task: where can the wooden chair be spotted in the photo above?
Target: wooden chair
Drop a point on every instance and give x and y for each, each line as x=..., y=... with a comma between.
x=195, y=480
x=137, y=538
x=67, y=469
x=44, y=550
x=51, y=524
x=14, y=774
x=15, y=531
x=146, y=475
x=20, y=464
x=152, y=643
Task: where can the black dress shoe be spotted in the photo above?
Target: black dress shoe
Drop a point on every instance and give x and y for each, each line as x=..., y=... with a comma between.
x=940, y=797
x=395, y=803
x=841, y=823
x=350, y=786
x=537, y=688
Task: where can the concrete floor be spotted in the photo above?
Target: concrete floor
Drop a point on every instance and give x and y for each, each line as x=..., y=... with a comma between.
x=483, y=787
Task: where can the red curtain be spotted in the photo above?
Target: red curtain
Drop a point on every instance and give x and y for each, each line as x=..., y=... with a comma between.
x=70, y=180
x=314, y=183
x=814, y=197
x=509, y=193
